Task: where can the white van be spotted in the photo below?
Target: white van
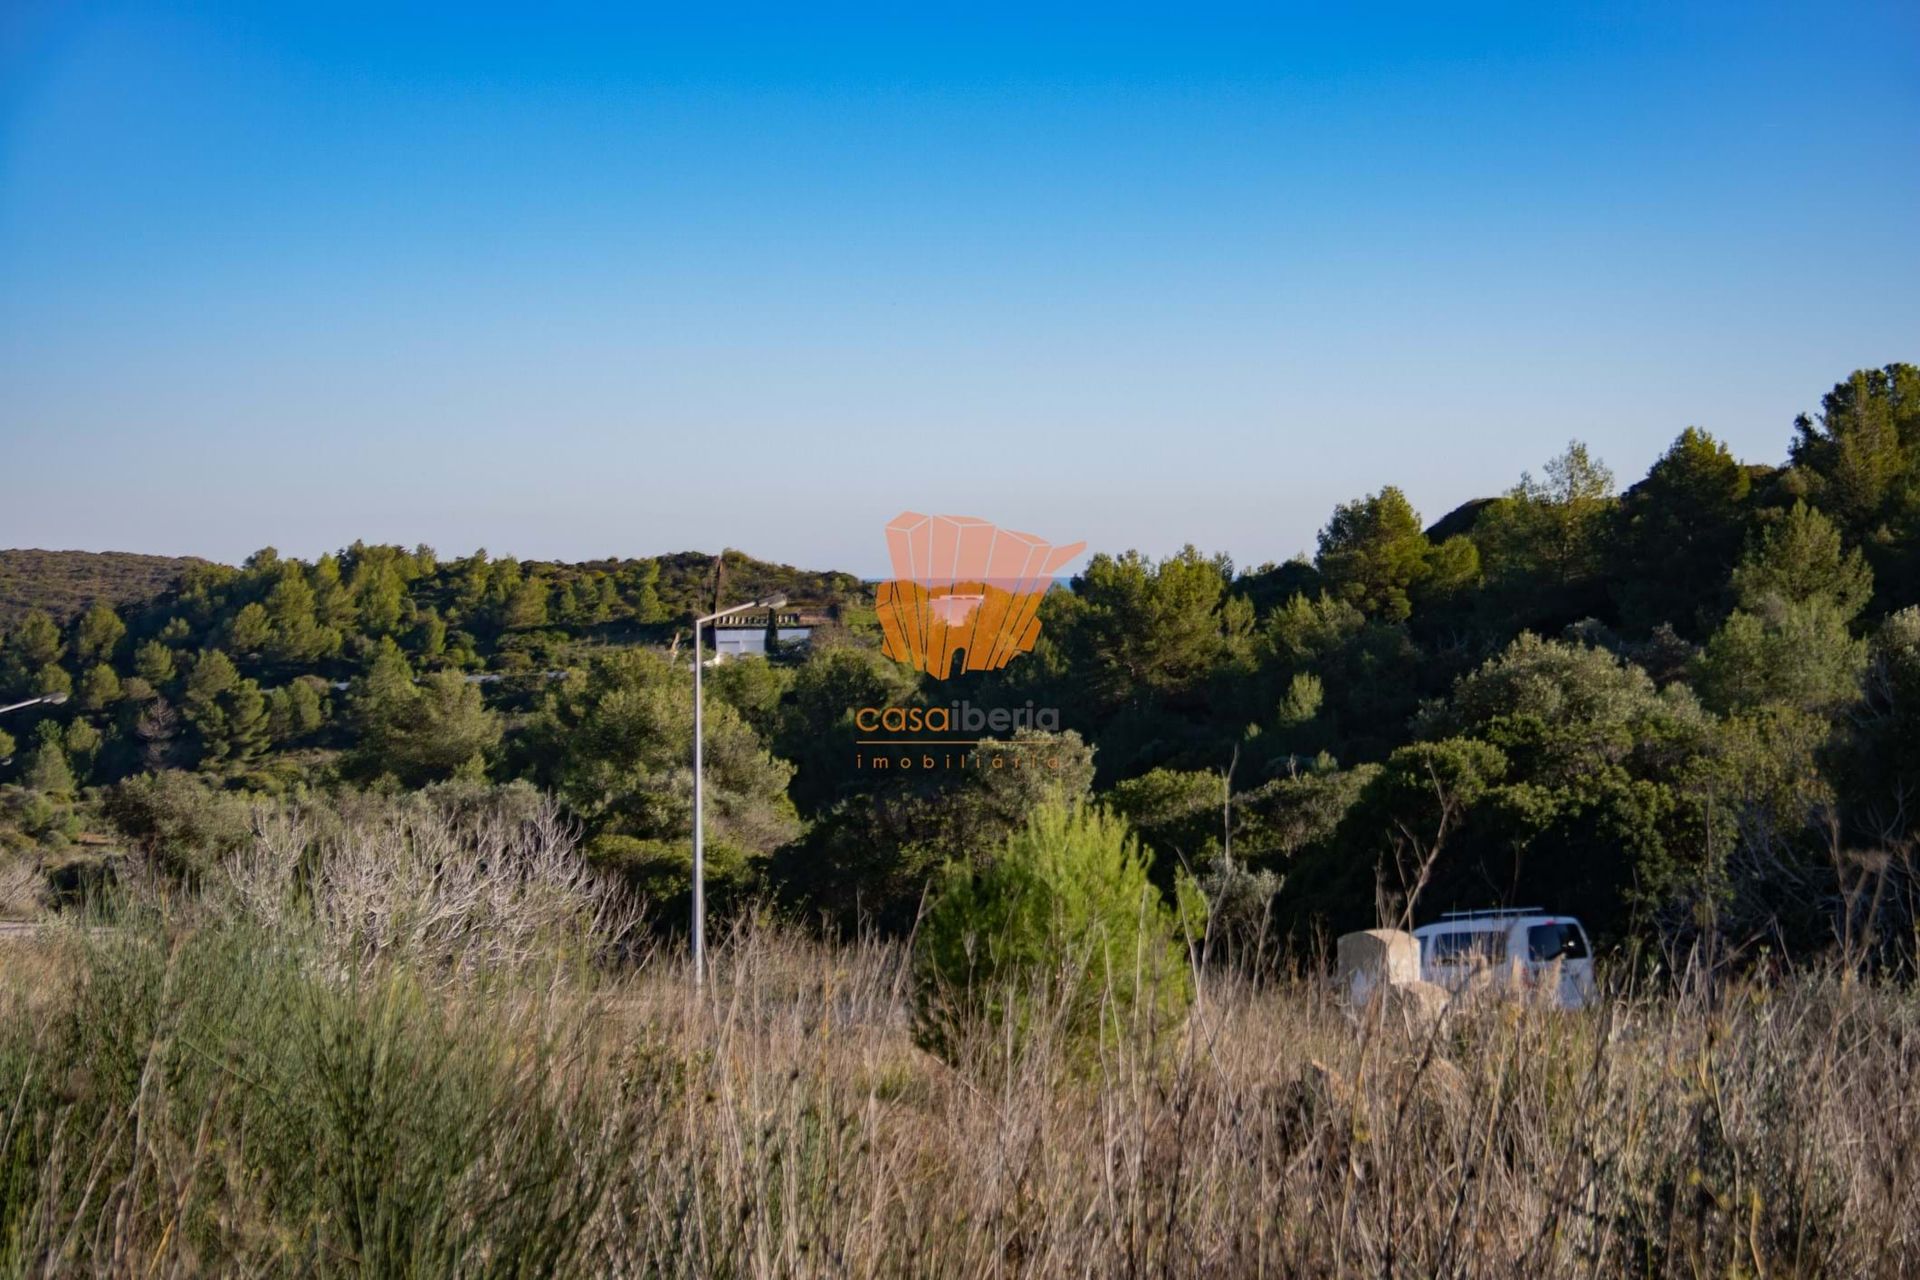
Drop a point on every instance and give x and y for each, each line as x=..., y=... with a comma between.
x=1524, y=947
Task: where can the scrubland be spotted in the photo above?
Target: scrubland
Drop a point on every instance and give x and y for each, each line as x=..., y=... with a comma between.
x=403, y=1044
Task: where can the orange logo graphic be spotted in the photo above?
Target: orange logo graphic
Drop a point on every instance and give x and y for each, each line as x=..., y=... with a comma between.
x=964, y=588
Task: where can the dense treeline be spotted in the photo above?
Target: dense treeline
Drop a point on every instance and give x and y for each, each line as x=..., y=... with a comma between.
x=1687, y=710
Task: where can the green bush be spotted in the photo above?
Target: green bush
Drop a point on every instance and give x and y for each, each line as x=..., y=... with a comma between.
x=237, y=1103
x=661, y=871
x=185, y=825
x=1060, y=935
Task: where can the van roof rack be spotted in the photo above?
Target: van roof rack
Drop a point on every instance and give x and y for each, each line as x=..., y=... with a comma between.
x=1493, y=911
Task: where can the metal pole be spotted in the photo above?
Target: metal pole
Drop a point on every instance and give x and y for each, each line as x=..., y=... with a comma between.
x=699, y=829
x=700, y=786
x=53, y=699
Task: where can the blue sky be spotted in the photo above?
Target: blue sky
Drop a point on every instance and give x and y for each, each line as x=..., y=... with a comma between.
x=577, y=282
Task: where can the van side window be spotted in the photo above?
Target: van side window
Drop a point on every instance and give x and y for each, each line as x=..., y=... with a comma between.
x=1555, y=942
x=1464, y=945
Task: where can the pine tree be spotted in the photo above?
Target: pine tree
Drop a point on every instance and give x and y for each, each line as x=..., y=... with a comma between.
x=35, y=641
x=1801, y=559
x=154, y=663
x=296, y=634
x=97, y=636
x=250, y=629
x=99, y=688
x=1372, y=553
x=81, y=743
x=47, y=769
x=1679, y=531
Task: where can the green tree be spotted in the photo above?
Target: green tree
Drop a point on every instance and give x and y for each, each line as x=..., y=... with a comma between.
x=35, y=641
x=617, y=743
x=1370, y=674
x=297, y=709
x=47, y=769
x=1799, y=560
x=1409, y=811
x=99, y=688
x=1544, y=545
x=753, y=687
x=638, y=585
x=1573, y=707
x=1138, y=630
x=213, y=674
x=295, y=634
x=154, y=663
x=97, y=635
x=1062, y=932
x=182, y=823
x=1789, y=643
x=866, y=863
x=431, y=635
x=418, y=732
x=1373, y=554
x=816, y=728
x=1301, y=702
x=379, y=593
x=81, y=742
x=1177, y=814
x=1800, y=656
x=332, y=603
x=227, y=712
x=1678, y=531
x=250, y=629
x=1877, y=757
x=1453, y=572
x=1598, y=807
x=1863, y=454
x=526, y=606
x=1305, y=630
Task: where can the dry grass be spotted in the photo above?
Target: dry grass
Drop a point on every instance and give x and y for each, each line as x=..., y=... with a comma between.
x=249, y=1088
x=804, y=1135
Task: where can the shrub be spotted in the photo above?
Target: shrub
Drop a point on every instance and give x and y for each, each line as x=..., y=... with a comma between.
x=446, y=880
x=184, y=826
x=661, y=871
x=292, y=1122
x=1061, y=932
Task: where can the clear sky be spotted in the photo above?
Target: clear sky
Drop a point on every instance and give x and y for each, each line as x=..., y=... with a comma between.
x=569, y=282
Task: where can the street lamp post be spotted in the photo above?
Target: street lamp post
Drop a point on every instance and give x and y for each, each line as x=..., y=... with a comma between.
x=699, y=786
x=51, y=699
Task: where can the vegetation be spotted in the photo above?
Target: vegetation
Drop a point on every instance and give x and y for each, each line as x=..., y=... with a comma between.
x=1062, y=926
x=1680, y=711
x=62, y=584
x=371, y=869
x=402, y=1036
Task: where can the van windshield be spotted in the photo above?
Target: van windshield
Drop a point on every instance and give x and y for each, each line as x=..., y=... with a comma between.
x=1560, y=941
x=1463, y=946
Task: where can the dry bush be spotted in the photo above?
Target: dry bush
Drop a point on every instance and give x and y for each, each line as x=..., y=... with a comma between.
x=23, y=887
x=454, y=891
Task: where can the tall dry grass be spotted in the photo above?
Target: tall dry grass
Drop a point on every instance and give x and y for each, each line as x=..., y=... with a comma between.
x=239, y=1090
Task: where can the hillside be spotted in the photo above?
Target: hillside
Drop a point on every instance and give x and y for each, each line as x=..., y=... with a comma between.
x=64, y=583
x=686, y=580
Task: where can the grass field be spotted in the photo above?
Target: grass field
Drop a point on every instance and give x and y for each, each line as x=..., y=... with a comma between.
x=336, y=1063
